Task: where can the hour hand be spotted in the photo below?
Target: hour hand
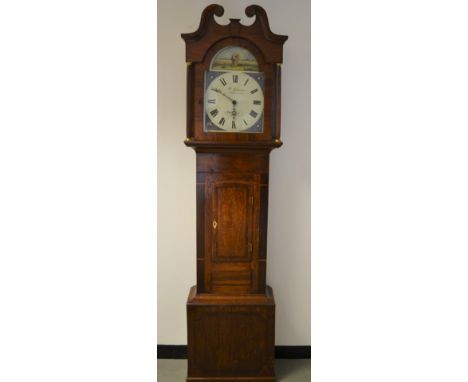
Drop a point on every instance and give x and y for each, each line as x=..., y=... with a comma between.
x=229, y=98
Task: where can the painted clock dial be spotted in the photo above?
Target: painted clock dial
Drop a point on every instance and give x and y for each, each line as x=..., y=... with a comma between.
x=234, y=102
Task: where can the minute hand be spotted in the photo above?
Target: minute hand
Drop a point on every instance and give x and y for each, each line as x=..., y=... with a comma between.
x=229, y=98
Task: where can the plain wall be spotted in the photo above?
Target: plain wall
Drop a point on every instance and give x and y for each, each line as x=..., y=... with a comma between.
x=288, y=267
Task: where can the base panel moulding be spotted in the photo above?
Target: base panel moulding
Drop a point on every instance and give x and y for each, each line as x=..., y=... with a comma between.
x=231, y=337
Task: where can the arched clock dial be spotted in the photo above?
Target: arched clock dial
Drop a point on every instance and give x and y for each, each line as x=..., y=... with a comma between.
x=234, y=102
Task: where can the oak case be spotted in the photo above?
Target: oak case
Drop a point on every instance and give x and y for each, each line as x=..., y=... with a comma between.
x=230, y=312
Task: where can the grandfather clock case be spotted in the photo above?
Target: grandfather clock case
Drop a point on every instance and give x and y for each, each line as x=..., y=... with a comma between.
x=233, y=122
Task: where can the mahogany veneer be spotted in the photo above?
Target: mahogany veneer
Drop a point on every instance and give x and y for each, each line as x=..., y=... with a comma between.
x=231, y=310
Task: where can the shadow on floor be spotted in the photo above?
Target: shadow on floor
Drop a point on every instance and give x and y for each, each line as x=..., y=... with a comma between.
x=287, y=370
x=292, y=370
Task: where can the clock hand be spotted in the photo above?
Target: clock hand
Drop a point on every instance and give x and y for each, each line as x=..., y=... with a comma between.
x=234, y=112
x=229, y=98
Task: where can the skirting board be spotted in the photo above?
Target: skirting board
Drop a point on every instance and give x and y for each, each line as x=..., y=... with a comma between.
x=285, y=352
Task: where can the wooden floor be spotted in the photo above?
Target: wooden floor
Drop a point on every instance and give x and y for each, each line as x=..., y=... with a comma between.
x=287, y=370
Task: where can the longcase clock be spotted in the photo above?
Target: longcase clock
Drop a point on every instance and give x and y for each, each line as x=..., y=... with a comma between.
x=233, y=122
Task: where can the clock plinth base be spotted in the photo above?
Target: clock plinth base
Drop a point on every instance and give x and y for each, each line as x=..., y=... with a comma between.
x=231, y=337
